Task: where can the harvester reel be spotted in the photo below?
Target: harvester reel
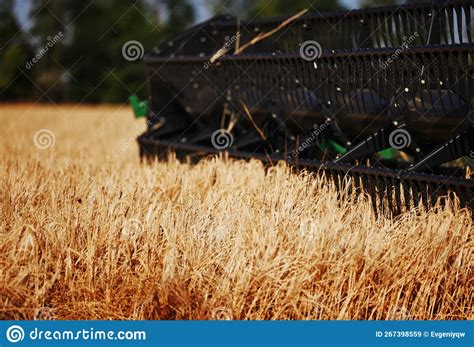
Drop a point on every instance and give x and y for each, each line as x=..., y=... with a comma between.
x=397, y=96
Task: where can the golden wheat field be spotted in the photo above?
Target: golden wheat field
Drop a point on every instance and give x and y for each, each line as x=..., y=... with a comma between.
x=88, y=232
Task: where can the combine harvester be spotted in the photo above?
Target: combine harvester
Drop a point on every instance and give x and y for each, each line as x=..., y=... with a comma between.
x=378, y=99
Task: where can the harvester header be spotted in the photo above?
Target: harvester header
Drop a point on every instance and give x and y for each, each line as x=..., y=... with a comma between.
x=380, y=99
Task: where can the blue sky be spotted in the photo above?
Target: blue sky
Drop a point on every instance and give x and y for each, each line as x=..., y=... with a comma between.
x=22, y=8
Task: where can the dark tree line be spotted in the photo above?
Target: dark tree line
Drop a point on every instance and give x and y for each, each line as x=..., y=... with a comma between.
x=71, y=51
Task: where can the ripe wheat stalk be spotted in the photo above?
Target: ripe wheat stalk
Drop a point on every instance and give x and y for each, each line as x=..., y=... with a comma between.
x=87, y=232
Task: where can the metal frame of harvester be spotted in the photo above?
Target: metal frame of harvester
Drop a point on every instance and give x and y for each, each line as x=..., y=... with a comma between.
x=390, y=86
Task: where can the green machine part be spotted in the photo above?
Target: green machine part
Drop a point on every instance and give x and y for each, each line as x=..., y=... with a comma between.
x=336, y=147
x=332, y=146
x=140, y=108
x=386, y=154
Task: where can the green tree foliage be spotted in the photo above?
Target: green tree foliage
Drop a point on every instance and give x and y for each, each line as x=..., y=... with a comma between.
x=79, y=45
x=99, y=72
x=14, y=52
x=86, y=63
x=179, y=14
x=49, y=22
